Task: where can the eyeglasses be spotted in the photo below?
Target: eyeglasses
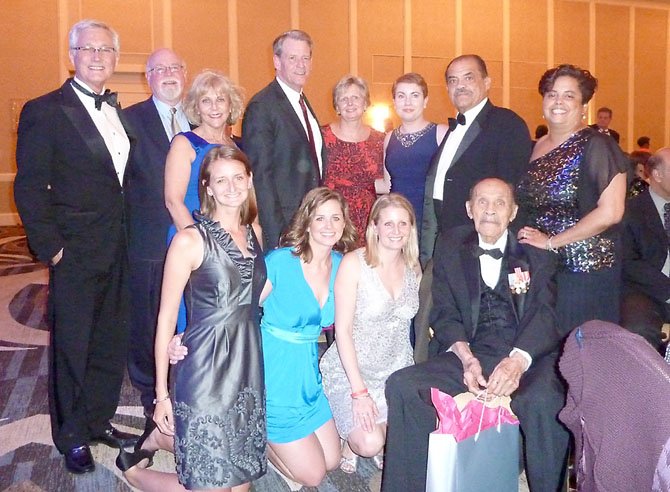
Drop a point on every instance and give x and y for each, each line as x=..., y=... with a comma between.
x=90, y=50
x=162, y=69
x=344, y=100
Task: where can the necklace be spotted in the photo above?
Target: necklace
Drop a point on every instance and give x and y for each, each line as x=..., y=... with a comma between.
x=409, y=139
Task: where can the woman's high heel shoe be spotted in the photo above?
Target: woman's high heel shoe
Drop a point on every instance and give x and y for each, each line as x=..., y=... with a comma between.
x=149, y=427
x=125, y=460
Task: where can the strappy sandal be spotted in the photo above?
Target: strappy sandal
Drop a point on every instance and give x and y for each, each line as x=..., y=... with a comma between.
x=349, y=465
x=378, y=460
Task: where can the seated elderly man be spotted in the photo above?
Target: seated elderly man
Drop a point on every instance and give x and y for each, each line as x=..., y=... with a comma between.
x=495, y=328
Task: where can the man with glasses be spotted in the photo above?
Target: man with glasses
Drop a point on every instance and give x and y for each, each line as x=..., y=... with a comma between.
x=155, y=121
x=72, y=151
x=281, y=136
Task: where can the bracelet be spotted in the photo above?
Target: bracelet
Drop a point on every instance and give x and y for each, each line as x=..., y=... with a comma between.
x=549, y=247
x=357, y=394
x=158, y=400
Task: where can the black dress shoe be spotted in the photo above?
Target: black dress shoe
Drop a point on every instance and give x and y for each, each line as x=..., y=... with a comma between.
x=115, y=438
x=149, y=426
x=79, y=460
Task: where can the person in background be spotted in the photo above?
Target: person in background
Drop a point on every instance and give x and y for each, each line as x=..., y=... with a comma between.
x=281, y=136
x=602, y=124
x=376, y=297
x=218, y=390
x=643, y=144
x=572, y=198
x=72, y=151
x=409, y=148
x=156, y=121
x=646, y=263
x=212, y=104
x=637, y=173
x=354, y=152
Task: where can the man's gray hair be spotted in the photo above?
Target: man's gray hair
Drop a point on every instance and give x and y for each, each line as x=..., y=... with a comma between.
x=296, y=34
x=82, y=25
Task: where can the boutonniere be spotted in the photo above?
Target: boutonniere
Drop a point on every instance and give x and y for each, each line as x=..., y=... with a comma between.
x=519, y=281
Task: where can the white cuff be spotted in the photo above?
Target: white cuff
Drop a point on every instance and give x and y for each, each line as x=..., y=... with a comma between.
x=524, y=354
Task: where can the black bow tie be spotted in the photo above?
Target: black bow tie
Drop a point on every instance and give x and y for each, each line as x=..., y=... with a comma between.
x=459, y=120
x=494, y=253
x=108, y=96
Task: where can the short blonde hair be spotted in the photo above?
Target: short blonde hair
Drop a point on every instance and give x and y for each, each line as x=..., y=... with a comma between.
x=297, y=235
x=222, y=85
x=411, y=250
x=249, y=209
x=347, y=81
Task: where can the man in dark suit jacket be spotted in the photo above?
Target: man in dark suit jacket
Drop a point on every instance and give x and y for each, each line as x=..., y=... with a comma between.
x=71, y=154
x=602, y=124
x=286, y=152
x=155, y=122
x=495, y=328
x=646, y=264
x=484, y=141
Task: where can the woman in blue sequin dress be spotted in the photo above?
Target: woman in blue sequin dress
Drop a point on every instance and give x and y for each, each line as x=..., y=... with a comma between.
x=572, y=199
x=409, y=148
x=213, y=103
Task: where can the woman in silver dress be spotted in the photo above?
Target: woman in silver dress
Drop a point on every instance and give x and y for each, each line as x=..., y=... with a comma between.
x=376, y=297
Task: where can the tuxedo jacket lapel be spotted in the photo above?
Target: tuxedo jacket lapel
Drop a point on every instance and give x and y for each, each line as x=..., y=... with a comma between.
x=472, y=275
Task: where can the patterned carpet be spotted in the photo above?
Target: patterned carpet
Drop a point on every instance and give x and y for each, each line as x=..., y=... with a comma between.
x=28, y=460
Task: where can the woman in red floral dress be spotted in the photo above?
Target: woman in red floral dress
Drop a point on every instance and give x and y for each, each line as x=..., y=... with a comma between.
x=355, y=151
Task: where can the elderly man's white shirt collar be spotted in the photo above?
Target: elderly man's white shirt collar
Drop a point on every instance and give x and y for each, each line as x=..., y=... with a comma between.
x=501, y=243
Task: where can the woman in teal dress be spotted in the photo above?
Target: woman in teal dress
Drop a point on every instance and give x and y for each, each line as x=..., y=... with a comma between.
x=212, y=103
x=297, y=304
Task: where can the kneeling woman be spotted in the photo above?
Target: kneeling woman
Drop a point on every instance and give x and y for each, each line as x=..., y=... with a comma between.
x=376, y=297
x=217, y=391
x=297, y=304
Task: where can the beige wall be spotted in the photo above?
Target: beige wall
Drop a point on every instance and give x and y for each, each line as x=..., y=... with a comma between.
x=624, y=42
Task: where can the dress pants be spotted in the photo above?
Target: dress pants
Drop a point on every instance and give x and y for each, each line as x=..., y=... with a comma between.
x=411, y=417
x=89, y=338
x=146, y=277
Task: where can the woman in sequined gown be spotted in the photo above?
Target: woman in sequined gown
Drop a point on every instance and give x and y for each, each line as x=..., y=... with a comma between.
x=212, y=103
x=354, y=151
x=572, y=198
x=409, y=148
x=376, y=297
x=217, y=391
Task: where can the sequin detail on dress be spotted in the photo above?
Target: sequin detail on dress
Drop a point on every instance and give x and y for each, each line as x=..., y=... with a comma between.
x=408, y=139
x=549, y=193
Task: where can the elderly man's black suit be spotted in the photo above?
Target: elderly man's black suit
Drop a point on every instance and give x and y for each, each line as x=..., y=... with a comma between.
x=645, y=287
x=457, y=316
x=496, y=145
x=69, y=196
x=148, y=224
x=277, y=145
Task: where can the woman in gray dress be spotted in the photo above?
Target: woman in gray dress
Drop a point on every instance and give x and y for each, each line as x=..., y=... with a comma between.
x=376, y=297
x=218, y=391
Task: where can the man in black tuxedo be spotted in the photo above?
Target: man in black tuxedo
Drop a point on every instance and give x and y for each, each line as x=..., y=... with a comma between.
x=493, y=329
x=646, y=263
x=602, y=124
x=72, y=151
x=281, y=136
x=155, y=121
x=483, y=141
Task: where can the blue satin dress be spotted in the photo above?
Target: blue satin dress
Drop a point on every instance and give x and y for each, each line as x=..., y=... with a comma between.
x=290, y=328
